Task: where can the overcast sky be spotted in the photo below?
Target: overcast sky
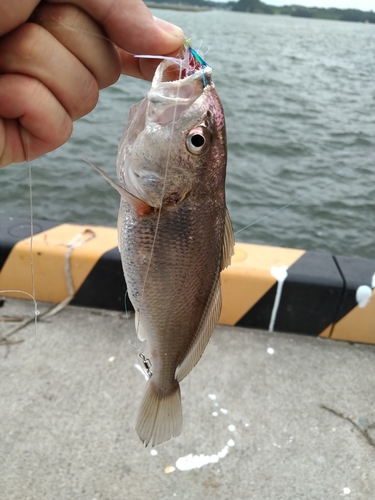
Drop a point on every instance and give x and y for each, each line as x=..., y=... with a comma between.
x=339, y=4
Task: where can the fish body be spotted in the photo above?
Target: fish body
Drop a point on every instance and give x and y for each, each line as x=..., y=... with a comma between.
x=175, y=234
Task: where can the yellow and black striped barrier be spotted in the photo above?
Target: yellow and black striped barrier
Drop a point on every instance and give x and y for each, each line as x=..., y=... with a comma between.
x=271, y=288
x=67, y=259
x=298, y=291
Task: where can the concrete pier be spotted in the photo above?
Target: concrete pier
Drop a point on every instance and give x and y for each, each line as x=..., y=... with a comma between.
x=266, y=416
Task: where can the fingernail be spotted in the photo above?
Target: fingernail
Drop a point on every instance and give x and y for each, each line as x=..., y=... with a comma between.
x=169, y=28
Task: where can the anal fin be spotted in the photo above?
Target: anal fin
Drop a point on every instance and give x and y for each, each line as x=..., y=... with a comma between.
x=228, y=242
x=208, y=323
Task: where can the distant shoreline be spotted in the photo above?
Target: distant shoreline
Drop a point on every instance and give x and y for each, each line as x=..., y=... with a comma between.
x=259, y=7
x=176, y=6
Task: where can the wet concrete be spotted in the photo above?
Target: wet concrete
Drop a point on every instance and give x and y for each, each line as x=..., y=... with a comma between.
x=266, y=416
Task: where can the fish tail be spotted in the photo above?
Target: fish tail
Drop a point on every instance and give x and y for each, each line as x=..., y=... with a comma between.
x=160, y=415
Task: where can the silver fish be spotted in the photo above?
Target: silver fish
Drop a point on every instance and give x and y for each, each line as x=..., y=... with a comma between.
x=175, y=235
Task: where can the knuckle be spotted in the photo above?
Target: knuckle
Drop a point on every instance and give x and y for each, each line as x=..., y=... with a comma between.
x=20, y=44
x=87, y=99
x=110, y=76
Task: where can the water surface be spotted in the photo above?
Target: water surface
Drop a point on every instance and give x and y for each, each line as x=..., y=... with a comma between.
x=299, y=101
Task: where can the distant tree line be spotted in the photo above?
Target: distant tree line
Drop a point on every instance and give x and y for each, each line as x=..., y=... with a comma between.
x=254, y=6
x=258, y=7
x=299, y=11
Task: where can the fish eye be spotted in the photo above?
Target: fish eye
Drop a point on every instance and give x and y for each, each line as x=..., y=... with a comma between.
x=197, y=140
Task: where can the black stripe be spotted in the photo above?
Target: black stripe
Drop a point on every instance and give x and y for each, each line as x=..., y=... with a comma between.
x=105, y=286
x=310, y=298
x=356, y=272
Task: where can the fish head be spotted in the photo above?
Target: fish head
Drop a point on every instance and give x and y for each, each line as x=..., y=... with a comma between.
x=174, y=138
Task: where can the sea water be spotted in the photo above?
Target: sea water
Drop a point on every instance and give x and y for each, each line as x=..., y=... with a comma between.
x=299, y=100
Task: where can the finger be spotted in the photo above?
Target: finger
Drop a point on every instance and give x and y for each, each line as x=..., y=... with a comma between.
x=15, y=12
x=131, y=26
x=31, y=50
x=81, y=35
x=32, y=122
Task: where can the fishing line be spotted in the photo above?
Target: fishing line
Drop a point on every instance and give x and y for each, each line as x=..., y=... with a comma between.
x=179, y=62
x=32, y=268
x=335, y=179
x=189, y=55
x=31, y=257
x=203, y=51
x=146, y=368
x=75, y=30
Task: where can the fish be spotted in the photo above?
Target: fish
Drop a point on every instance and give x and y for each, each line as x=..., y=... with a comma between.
x=175, y=233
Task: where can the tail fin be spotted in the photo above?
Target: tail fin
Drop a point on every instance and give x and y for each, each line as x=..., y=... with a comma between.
x=159, y=416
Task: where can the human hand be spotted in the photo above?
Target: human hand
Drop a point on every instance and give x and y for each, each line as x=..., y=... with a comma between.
x=54, y=58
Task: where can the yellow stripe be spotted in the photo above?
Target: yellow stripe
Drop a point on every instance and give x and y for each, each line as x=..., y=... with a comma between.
x=358, y=325
x=249, y=277
x=49, y=251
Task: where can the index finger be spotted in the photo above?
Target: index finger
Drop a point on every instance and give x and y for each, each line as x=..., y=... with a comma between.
x=131, y=26
x=15, y=12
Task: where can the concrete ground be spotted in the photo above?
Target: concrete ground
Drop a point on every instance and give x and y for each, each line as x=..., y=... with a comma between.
x=266, y=416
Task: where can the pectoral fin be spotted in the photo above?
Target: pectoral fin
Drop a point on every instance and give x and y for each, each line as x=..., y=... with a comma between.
x=141, y=332
x=141, y=206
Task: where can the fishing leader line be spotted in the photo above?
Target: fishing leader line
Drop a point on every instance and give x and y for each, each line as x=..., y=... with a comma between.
x=145, y=361
x=32, y=267
x=187, y=63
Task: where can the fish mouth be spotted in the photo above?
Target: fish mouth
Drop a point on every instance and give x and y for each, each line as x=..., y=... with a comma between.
x=177, y=71
x=174, y=89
